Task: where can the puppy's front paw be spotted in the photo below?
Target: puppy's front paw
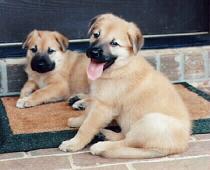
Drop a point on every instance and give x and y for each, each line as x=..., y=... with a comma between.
x=24, y=102
x=73, y=99
x=25, y=94
x=71, y=145
x=79, y=105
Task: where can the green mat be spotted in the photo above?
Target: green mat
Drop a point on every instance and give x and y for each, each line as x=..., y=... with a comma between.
x=10, y=142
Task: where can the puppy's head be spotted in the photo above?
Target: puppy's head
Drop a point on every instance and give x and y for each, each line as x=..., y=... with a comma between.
x=44, y=49
x=113, y=41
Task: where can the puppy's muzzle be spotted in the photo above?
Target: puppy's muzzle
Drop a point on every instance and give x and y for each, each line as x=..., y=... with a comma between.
x=96, y=54
x=42, y=64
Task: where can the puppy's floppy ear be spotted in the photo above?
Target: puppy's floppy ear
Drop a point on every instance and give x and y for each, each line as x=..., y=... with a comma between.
x=92, y=22
x=135, y=36
x=62, y=40
x=29, y=38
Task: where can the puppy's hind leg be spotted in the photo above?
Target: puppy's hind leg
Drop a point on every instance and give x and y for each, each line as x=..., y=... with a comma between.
x=147, y=139
x=119, y=149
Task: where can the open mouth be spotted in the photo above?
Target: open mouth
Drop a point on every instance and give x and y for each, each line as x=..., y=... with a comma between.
x=96, y=68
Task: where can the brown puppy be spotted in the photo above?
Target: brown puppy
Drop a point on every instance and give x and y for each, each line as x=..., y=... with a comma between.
x=125, y=87
x=54, y=73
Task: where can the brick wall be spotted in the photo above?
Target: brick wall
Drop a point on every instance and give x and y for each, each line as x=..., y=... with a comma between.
x=181, y=64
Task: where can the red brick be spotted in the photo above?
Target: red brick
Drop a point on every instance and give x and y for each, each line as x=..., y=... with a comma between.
x=202, y=163
x=40, y=163
x=12, y=155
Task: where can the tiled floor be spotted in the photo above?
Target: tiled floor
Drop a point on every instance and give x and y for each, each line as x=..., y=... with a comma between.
x=197, y=157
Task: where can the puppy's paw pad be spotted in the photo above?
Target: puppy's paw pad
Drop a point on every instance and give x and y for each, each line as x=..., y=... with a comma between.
x=79, y=105
x=73, y=99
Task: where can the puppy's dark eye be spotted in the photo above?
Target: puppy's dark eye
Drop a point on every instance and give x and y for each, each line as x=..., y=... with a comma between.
x=96, y=35
x=114, y=43
x=50, y=51
x=34, y=49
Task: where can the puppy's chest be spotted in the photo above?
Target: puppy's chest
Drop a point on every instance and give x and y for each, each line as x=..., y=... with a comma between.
x=107, y=90
x=40, y=82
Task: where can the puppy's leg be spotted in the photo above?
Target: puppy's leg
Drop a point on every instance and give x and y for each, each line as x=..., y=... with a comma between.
x=98, y=116
x=80, y=104
x=119, y=149
x=111, y=135
x=28, y=88
x=78, y=101
x=50, y=93
x=76, y=121
x=147, y=139
x=76, y=97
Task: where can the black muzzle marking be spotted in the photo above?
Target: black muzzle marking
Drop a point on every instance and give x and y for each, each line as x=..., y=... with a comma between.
x=42, y=64
x=96, y=55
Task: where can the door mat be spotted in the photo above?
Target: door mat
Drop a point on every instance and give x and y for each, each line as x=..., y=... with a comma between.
x=45, y=126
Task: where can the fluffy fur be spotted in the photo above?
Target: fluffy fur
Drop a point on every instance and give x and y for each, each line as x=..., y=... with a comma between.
x=151, y=114
x=67, y=78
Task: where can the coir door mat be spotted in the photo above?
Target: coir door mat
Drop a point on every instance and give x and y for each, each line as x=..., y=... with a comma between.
x=45, y=126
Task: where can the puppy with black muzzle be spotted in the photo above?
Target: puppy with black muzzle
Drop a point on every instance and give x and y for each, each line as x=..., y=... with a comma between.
x=42, y=63
x=54, y=73
x=125, y=87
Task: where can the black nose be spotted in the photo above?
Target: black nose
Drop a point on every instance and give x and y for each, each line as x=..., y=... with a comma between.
x=94, y=52
x=42, y=64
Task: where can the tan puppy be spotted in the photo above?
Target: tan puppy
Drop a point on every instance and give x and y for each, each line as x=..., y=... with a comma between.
x=125, y=87
x=54, y=73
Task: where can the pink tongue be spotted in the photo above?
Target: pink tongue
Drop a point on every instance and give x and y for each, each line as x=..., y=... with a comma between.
x=95, y=70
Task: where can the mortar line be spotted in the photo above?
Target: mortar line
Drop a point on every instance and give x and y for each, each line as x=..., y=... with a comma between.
x=205, y=60
x=130, y=166
x=182, y=66
x=158, y=62
x=201, y=140
x=71, y=162
x=208, y=63
x=4, y=77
